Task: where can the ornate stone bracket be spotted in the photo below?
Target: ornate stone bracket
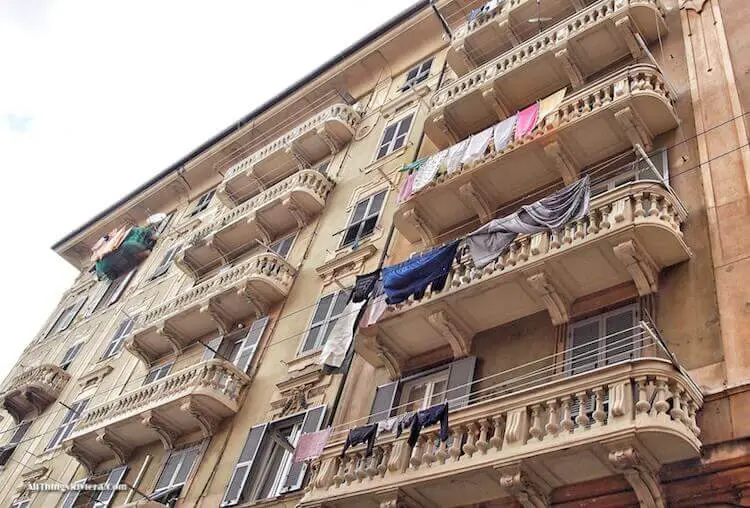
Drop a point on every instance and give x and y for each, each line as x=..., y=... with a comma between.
x=571, y=68
x=333, y=144
x=393, y=361
x=171, y=335
x=528, y=489
x=396, y=498
x=475, y=198
x=34, y=475
x=221, y=249
x=635, y=129
x=457, y=333
x=424, y=229
x=444, y=124
x=554, y=298
x=166, y=432
x=640, y=266
x=86, y=459
x=138, y=351
x=625, y=26
x=224, y=196
x=564, y=162
x=256, y=301
x=222, y=320
x=496, y=101
x=463, y=52
x=299, y=214
x=202, y=415
x=183, y=263
x=641, y=477
x=116, y=445
x=300, y=158
x=696, y=5
x=265, y=231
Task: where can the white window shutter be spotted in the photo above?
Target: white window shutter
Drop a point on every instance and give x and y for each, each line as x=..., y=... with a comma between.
x=121, y=287
x=250, y=344
x=312, y=422
x=104, y=499
x=241, y=471
x=98, y=293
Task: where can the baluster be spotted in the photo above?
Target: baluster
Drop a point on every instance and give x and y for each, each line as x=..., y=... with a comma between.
x=553, y=420
x=338, y=478
x=643, y=405
x=470, y=446
x=523, y=254
x=416, y=453
x=599, y=413
x=536, y=422
x=677, y=413
x=692, y=409
x=582, y=419
x=351, y=465
x=442, y=452
x=653, y=209
x=428, y=457
x=360, y=469
x=568, y=235
x=482, y=443
x=604, y=211
x=639, y=211
x=455, y=449
x=498, y=424
x=384, y=459
x=555, y=241
x=372, y=464
x=593, y=225
x=580, y=228
x=567, y=421
x=660, y=404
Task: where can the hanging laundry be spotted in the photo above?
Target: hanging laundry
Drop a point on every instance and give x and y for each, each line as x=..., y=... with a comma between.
x=474, y=13
x=526, y=121
x=360, y=435
x=395, y=424
x=477, y=145
x=375, y=306
x=406, y=188
x=413, y=165
x=364, y=285
x=427, y=171
x=414, y=275
x=311, y=445
x=109, y=243
x=549, y=105
x=548, y=214
x=427, y=417
x=504, y=133
x=340, y=340
x=455, y=154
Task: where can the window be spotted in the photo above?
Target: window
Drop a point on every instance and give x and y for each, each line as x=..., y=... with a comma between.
x=7, y=450
x=265, y=468
x=162, y=226
x=108, y=292
x=417, y=74
x=602, y=340
x=122, y=332
x=239, y=347
x=639, y=169
x=326, y=314
x=202, y=203
x=322, y=168
x=70, y=498
x=156, y=373
x=100, y=498
x=75, y=412
x=450, y=383
x=174, y=475
x=66, y=316
x=394, y=136
x=165, y=263
x=283, y=246
x=21, y=503
x=114, y=478
x=363, y=219
x=70, y=355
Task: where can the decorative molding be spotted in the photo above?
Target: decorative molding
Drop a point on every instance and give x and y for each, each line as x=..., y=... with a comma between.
x=86, y=459
x=641, y=477
x=569, y=65
x=528, y=489
x=345, y=264
x=695, y=5
x=30, y=476
x=206, y=421
x=463, y=52
x=302, y=161
x=297, y=212
x=220, y=317
x=212, y=242
x=137, y=350
x=406, y=99
x=167, y=433
x=396, y=498
x=333, y=144
x=170, y=334
x=259, y=303
x=456, y=333
x=263, y=228
x=475, y=198
x=116, y=444
x=98, y=374
x=444, y=125
x=563, y=160
x=635, y=129
x=554, y=298
x=640, y=266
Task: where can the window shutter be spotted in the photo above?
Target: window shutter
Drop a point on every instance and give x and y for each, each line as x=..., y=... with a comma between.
x=70, y=314
x=19, y=433
x=584, y=347
x=165, y=262
x=122, y=331
x=619, y=333
x=70, y=354
x=121, y=287
x=52, y=322
x=186, y=465
x=165, y=478
x=312, y=422
x=71, y=496
x=163, y=224
x=214, y=345
x=250, y=344
x=97, y=295
x=460, y=376
x=383, y=402
x=104, y=499
x=244, y=464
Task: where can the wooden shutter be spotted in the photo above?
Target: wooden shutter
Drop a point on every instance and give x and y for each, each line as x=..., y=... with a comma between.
x=584, y=346
x=97, y=295
x=70, y=354
x=213, y=345
x=122, y=331
x=121, y=285
x=250, y=344
x=71, y=496
x=460, y=376
x=619, y=333
x=312, y=422
x=19, y=433
x=383, y=402
x=241, y=471
x=186, y=464
x=52, y=322
x=70, y=313
x=165, y=262
x=163, y=224
x=69, y=421
x=165, y=478
x=104, y=499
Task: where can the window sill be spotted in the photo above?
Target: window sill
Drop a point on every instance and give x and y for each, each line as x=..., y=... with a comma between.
x=375, y=165
x=289, y=496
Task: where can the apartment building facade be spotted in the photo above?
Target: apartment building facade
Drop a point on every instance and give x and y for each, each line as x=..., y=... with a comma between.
x=600, y=363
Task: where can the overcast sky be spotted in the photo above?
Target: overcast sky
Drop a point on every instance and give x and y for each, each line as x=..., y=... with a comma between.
x=98, y=96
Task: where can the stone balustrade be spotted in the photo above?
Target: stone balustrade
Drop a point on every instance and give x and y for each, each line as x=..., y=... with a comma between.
x=30, y=392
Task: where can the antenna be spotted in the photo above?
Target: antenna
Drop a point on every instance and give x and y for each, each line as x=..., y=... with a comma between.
x=539, y=19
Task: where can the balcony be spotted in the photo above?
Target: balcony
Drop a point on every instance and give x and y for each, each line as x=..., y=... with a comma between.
x=521, y=446
x=248, y=289
x=630, y=234
x=32, y=391
x=507, y=25
x=194, y=399
x=289, y=204
x=623, y=110
x=586, y=43
x=310, y=142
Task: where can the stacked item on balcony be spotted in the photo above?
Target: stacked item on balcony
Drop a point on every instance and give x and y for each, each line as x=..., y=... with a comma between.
x=121, y=250
x=484, y=10
x=465, y=153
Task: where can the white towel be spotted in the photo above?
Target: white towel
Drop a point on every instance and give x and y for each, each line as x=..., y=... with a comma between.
x=549, y=105
x=477, y=145
x=455, y=154
x=428, y=170
x=342, y=334
x=504, y=133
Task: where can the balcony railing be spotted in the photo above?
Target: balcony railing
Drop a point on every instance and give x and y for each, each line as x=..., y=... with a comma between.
x=505, y=26
x=629, y=235
x=622, y=110
x=249, y=288
x=520, y=436
x=565, y=54
x=300, y=148
x=29, y=393
x=287, y=205
x=196, y=398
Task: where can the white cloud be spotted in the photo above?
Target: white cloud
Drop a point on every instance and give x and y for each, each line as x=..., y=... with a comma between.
x=97, y=97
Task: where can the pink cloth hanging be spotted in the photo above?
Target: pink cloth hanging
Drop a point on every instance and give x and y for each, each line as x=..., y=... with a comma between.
x=311, y=445
x=526, y=120
x=406, y=189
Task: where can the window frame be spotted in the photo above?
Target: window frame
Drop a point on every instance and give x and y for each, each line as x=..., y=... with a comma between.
x=635, y=168
x=326, y=324
x=292, y=238
x=120, y=335
x=202, y=203
x=165, y=263
x=158, y=372
x=360, y=223
x=420, y=73
x=69, y=421
x=72, y=351
x=429, y=380
x=391, y=143
x=198, y=448
x=111, y=293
